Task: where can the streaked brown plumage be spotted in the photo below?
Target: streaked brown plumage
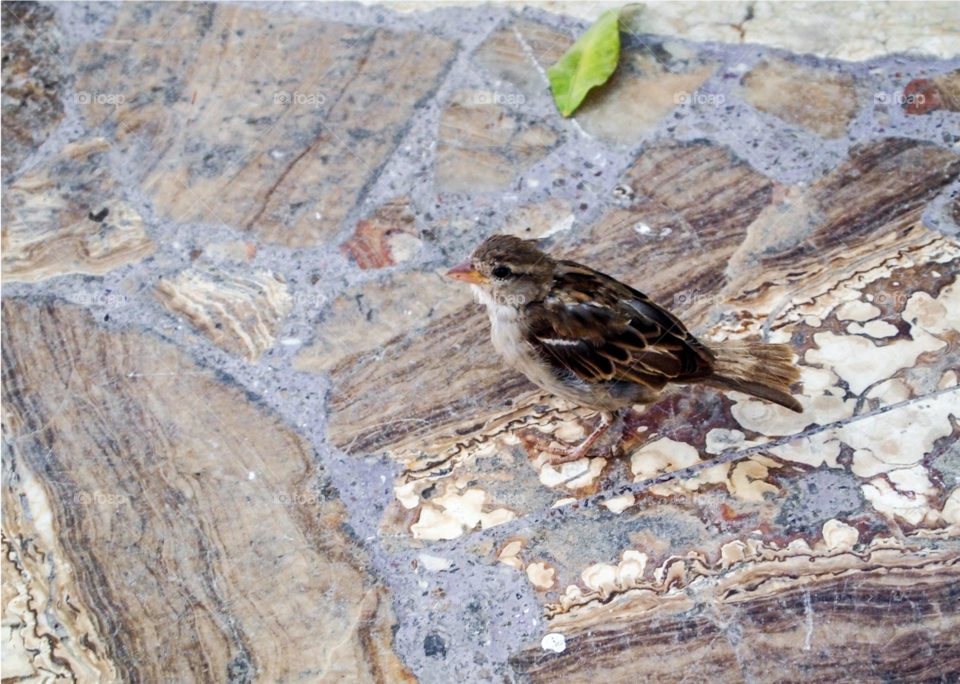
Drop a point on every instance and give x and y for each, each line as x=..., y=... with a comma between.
x=599, y=343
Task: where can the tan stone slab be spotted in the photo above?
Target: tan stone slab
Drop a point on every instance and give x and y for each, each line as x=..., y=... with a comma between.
x=69, y=216
x=819, y=100
x=264, y=121
x=484, y=145
x=205, y=537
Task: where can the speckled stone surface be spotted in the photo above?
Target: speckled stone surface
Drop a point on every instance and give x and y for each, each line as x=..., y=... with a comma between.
x=250, y=430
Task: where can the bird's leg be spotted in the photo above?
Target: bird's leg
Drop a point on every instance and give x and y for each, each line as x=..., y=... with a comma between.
x=565, y=454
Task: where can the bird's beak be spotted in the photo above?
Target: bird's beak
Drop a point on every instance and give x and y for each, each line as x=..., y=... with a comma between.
x=465, y=272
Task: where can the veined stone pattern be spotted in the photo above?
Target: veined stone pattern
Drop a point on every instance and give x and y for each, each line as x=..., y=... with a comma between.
x=251, y=430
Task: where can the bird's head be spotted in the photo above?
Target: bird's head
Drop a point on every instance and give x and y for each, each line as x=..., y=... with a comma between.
x=508, y=270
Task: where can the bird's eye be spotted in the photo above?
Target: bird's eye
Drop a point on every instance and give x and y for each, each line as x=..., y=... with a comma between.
x=502, y=272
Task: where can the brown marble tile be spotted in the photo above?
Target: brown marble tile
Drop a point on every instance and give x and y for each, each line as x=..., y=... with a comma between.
x=286, y=152
x=69, y=215
x=766, y=615
x=820, y=100
x=151, y=541
x=33, y=72
x=240, y=311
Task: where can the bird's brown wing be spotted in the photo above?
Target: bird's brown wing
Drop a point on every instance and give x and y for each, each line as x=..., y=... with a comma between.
x=601, y=330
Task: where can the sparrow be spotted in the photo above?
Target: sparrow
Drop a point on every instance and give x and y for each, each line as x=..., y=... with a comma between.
x=592, y=340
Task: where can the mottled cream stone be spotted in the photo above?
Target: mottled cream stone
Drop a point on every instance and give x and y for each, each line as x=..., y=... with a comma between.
x=661, y=456
x=815, y=451
x=618, y=504
x=857, y=310
x=951, y=508
x=434, y=563
x=541, y=575
x=68, y=215
x=949, y=379
x=860, y=362
x=748, y=479
x=573, y=474
x=877, y=329
x=890, y=392
x=838, y=536
x=451, y=515
x=899, y=438
x=600, y=578
x=838, y=30
x=720, y=440
x=240, y=311
x=509, y=554
x=911, y=507
x=935, y=315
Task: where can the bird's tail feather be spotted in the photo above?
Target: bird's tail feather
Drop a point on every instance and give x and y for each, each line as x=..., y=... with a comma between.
x=761, y=370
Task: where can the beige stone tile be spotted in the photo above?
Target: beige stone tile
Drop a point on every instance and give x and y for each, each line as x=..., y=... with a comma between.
x=819, y=100
x=69, y=216
x=484, y=145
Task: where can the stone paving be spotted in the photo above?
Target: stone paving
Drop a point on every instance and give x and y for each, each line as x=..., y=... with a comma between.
x=251, y=434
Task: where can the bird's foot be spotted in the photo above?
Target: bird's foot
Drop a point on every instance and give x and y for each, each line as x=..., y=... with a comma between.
x=566, y=454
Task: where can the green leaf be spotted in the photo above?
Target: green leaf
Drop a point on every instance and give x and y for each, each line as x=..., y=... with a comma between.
x=587, y=64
